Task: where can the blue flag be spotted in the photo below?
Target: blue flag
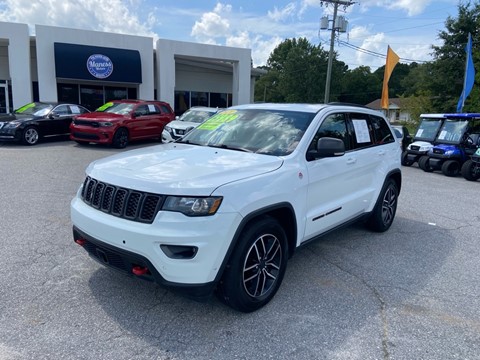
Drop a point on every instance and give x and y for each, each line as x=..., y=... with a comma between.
x=469, y=75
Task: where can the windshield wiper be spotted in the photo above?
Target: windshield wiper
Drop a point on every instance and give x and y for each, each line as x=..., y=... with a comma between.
x=181, y=141
x=223, y=146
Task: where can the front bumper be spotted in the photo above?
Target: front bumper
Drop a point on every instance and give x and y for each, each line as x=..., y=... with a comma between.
x=140, y=243
x=10, y=134
x=96, y=135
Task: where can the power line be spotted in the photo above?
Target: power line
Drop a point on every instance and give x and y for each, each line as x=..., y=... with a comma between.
x=373, y=53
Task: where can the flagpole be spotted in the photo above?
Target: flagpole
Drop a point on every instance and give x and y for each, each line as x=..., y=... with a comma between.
x=465, y=73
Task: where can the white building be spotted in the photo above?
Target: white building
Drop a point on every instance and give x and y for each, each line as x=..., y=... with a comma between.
x=91, y=68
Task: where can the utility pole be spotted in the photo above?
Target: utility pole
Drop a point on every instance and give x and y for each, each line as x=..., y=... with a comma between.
x=335, y=27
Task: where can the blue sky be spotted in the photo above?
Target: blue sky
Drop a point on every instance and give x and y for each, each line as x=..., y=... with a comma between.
x=410, y=27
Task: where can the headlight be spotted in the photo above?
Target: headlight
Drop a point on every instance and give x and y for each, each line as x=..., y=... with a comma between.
x=193, y=206
x=12, y=124
x=105, y=123
x=449, y=152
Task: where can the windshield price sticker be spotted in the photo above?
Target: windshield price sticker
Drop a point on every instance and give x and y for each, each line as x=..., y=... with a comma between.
x=105, y=106
x=217, y=120
x=26, y=107
x=419, y=133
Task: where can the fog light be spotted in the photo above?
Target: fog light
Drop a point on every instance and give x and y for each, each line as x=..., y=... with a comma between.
x=179, y=251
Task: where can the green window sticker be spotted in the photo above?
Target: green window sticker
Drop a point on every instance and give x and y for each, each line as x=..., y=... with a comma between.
x=104, y=106
x=25, y=107
x=217, y=120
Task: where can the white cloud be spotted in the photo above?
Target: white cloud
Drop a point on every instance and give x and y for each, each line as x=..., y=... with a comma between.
x=112, y=16
x=412, y=7
x=282, y=14
x=306, y=4
x=210, y=26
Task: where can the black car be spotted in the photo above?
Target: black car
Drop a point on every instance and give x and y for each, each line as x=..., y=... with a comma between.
x=38, y=119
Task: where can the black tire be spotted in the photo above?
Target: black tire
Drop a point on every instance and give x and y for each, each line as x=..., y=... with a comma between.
x=470, y=171
x=451, y=168
x=424, y=165
x=385, y=208
x=30, y=136
x=120, y=139
x=256, y=267
x=405, y=161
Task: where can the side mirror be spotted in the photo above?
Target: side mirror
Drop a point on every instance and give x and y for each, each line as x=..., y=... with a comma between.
x=327, y=147
x=53, y=115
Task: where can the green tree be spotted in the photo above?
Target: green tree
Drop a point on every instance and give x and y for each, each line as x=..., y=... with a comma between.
x=447, y=73
x=360, y=86
x=297, y=73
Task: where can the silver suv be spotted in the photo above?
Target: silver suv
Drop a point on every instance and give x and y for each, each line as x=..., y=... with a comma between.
x=224, y=208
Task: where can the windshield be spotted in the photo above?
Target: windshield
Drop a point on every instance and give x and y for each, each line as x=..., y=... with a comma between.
x=452, y=131
x=428, y=129
x=116, y=108
x=271, y=132
x=36, y=109
x=196, y=116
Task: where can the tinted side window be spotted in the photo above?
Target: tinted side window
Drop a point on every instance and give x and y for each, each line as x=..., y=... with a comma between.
x=62, y=110
x=381, y=131
x=141, y=110
x=334, y=126
x=363, y=133
x=165, y=109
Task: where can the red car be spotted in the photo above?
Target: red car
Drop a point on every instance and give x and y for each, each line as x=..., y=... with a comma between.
x=120, y=121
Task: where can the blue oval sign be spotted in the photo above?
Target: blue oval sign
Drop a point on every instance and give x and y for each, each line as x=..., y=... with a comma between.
x=100, y=66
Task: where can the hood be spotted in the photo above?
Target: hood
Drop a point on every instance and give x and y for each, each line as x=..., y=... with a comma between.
x=101, y=116
x=422, y=143
x=17, y=117
x=182, y=125
x=180, y=169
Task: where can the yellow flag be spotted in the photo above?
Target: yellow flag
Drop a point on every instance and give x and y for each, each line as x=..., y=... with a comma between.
x=392, y=60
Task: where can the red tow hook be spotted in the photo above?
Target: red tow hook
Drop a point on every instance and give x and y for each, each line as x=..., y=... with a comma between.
x=81, y=242
x=140, y=270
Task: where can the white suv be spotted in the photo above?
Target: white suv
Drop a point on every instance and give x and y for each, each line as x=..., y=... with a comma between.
x=189, y=120
x=225, y=207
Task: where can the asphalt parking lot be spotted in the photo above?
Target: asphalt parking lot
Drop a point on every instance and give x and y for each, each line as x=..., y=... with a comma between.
x=410, y=293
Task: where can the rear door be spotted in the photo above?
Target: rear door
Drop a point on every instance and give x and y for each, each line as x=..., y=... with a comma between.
x=148, y=121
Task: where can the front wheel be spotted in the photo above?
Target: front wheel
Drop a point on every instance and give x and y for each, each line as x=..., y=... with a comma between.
x=405, y=160
x=120, y=139
x=30, y=136
x=470, y=170
x=424, y=165
x=385, y=209
x=451, y=168
x=257, y=266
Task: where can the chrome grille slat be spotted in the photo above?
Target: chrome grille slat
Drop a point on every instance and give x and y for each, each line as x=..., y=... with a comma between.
x=120, y=202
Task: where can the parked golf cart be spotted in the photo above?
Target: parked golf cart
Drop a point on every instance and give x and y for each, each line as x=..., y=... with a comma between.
x=471, y=168
x=426, y=133
x=455, y=143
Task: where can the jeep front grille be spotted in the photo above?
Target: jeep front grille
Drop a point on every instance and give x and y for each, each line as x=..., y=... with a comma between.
x=124, y=203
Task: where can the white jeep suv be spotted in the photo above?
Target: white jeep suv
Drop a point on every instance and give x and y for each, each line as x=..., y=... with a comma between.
x=225, y=207
x=189, y=120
